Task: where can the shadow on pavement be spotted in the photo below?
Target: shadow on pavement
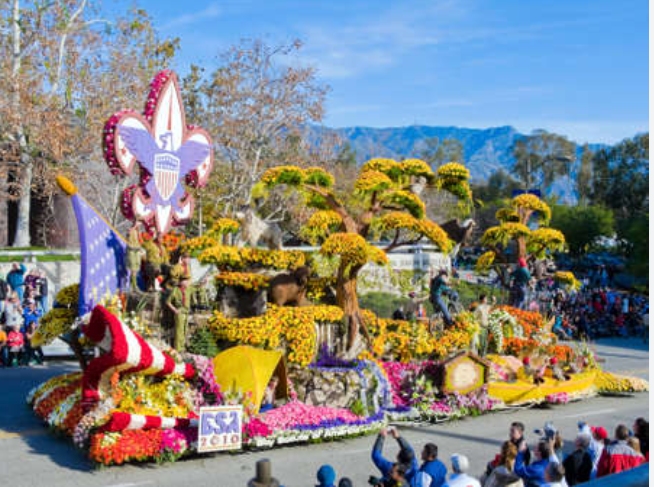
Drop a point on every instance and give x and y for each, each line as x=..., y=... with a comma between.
x=24, y=424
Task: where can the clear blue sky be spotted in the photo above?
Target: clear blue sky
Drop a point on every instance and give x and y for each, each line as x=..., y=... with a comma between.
x=578, y=68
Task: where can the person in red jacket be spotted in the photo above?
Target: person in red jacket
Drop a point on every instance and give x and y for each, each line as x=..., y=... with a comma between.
x=618, y=455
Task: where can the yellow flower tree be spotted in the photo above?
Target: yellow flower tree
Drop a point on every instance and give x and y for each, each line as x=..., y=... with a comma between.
x=384, y=203
x=530, y=244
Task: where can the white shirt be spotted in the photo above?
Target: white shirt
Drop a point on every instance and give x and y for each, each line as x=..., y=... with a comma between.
x=461, y=480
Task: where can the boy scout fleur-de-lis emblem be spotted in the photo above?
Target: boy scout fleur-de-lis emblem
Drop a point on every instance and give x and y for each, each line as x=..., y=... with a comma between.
x=167, y=151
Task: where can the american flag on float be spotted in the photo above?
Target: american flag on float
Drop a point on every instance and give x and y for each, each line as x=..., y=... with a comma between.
x=103, y=269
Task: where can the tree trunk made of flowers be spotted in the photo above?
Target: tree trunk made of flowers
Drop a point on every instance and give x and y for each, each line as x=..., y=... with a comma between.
x=348, y=300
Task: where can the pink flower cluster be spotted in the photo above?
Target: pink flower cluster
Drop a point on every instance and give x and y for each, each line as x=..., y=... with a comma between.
x=156, y=85
x=397, y=373
x=256, y=427
x=296, y=413
x=173, y=441
x=108, y=141
x=558, y=398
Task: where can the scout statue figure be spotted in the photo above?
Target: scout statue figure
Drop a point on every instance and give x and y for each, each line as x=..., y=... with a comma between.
x=178, y=302
x=134, y=253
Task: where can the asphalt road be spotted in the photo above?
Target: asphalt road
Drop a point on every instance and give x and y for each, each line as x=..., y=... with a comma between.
x=31, y=456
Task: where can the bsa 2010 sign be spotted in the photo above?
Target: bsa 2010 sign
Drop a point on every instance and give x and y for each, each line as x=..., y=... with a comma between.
x=220, y=428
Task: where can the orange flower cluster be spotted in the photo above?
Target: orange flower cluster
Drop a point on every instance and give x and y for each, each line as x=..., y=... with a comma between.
x=531, y=322
x=129, y=445
x=172, y=240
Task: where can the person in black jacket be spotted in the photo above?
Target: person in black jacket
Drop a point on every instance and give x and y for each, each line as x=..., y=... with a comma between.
x=579, y=463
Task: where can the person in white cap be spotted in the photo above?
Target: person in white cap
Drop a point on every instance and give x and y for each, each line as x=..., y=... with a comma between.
x=459, y=477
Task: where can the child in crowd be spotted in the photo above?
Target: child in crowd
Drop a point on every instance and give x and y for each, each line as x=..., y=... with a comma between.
x=15, y=342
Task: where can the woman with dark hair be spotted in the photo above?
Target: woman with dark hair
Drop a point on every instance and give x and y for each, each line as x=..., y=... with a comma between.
x=641, y=431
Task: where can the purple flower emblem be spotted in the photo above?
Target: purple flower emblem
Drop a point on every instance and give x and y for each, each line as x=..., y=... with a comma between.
x=167, y=151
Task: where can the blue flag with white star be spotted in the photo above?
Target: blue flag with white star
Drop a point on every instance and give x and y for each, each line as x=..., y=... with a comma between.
x=103, y=256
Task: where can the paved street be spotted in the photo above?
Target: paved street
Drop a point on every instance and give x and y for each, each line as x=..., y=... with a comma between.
x=32, y=456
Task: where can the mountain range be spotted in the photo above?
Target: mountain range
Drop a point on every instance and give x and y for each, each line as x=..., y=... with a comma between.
x=485, y=150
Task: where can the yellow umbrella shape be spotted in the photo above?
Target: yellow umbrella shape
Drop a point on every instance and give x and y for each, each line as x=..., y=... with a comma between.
x=248, y=369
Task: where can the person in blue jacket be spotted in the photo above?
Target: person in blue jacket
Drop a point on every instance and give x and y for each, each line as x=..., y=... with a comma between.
x=533, y=474
x=432, y=466
x=405, y=456
x=16, y=279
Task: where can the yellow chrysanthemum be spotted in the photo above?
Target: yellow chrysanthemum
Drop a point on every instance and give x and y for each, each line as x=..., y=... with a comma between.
x=291, y=175
x=532, y=202
x=320, y=224
x=407, y=200
x=500, y=235
x=370, y=181
x=390, y=167
x=485, y=261
x=453, y=170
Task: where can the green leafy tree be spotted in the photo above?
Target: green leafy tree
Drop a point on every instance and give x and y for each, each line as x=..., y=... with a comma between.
x=382, y=206
x=582, y=225
x=541, y=157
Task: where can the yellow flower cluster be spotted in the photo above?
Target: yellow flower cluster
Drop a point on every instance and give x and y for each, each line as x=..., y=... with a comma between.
x=197, y=244
x=291, y=175
x=224, y=225
x=390, y=167
x=58, y=320
x=318, y=177
x=140, y=394
x=316, y=287
x=370, y=181
x=248, y=281
x=68, y=295
x=408, y=341
x=320, y=224
x=407, y=200
x=567, y=278
x=507, y=215
x=223, y=257
x=229, y=257
x=352, y=248
x=416, y=167
x=280, y=327
x=614, y=383
x=460, y=189
x=435, y=233
x=543, y=239
x=400, y=220
x=454, y=171
x=485, y=261
x=500, y=235
x=532, y=202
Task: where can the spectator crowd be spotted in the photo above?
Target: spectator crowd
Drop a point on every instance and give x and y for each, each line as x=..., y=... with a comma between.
x=544, y=463
x=23, y=301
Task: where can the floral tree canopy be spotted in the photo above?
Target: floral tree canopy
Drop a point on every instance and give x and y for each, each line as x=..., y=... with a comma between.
x=514, y=220
x=169, y=154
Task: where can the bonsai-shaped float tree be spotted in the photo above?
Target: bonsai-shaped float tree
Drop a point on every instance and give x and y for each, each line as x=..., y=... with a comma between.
x=532, y=245
x=382, y=205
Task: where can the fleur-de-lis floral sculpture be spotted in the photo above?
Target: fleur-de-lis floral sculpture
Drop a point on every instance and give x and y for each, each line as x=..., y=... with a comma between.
x=169, y=153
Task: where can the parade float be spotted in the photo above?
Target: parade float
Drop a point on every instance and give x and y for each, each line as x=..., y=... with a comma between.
x=272, y=361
